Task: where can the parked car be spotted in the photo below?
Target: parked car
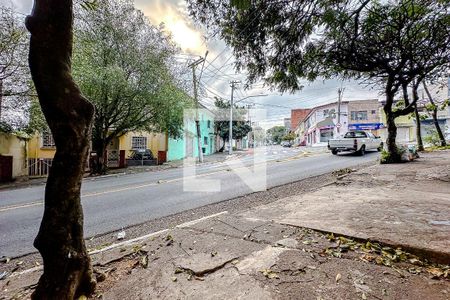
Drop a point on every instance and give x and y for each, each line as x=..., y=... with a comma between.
x=286, y=144
x=142, y=154
x=355, y=141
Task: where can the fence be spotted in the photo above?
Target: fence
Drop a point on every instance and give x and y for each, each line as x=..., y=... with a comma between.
x=39, y=166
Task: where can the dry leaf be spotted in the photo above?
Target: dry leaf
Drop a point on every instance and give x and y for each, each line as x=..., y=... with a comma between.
x=338, y=277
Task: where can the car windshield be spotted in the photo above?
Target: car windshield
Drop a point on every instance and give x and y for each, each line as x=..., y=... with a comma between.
x=355, y=134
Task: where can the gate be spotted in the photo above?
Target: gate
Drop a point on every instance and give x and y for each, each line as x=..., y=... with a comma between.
x=6, y=168
x=113, y=157
x=39, y=166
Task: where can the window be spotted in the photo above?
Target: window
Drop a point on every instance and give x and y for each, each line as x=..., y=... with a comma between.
x=374, y=112
x=359, y=115
x=139, y=143
x=205, y=140
x=326, y=134
x=325, y=112
x=209, y=123
x=47, y=140
x=355, y=134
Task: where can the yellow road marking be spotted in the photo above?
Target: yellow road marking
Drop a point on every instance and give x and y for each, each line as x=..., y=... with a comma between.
x=40, y=202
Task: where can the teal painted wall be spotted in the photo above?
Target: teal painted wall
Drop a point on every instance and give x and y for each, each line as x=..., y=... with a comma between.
x=178, y=147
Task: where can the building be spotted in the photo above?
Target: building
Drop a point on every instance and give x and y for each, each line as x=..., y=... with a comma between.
x=331, y=120
x=297, y=116
x=41, y=150
x=365, y=115
x=13, y=156
x=186, y=145
x=287, y=124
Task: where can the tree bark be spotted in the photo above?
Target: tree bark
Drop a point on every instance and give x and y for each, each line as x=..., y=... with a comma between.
x=392, y=129
x=417, y=116
x=434, y=116
x=418, y=130
x=67, y=267
x=1, y=98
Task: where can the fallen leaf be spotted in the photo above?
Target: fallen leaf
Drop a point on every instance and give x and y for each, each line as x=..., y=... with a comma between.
x=3, y=275
x=436, y=272
x=82, y=297
x=363, y=296
x=174, y=279
x=338, y=277
x=270, y=274
x=144, y=261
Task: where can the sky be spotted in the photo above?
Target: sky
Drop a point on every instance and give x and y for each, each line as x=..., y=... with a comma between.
x=219, y=71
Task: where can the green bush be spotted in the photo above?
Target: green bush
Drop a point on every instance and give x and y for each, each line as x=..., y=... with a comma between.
x=387, y=158
x=432, y=138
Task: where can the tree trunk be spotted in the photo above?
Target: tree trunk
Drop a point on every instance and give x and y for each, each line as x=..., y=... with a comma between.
x=67, y=266
x=100, y=166
x=392, y=129
x=434, y=116
x=1, y=98
x=418, y=129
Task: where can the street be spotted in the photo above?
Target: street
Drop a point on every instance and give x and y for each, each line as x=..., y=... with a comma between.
x=115, y=202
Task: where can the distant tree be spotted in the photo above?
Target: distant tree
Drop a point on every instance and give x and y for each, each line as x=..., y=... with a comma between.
x=290, y=137
x=392, y=44
x=433, y=108
x=241, y=128
x=14, y=73
x=122, y=64
x=276, y=134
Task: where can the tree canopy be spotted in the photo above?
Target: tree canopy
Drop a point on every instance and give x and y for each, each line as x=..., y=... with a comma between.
x=393, y=44
x=276, y=134
x=14, y=74
x=123, y=65
x=241, y=128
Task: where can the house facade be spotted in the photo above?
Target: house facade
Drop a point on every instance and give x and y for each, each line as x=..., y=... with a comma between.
x=320, y=125
x=13, y=156
x=41, y=150
x=187, y=144
x=329, y=121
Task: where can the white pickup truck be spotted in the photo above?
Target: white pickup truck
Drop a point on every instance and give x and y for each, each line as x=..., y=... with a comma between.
x=355, y=141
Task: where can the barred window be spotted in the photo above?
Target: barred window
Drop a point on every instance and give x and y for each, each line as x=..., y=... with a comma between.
x=47, y=140
x=139, y=142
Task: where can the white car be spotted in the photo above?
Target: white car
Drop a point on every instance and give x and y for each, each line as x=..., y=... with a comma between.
x=355, y=141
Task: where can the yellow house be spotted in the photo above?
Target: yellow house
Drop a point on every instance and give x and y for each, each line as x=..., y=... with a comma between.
x=41, y=149
x=12, y=145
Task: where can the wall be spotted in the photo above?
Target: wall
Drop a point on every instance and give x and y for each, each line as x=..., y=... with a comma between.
x=11, y=145
x=155, y=142
x=35, y=149
x=297, y=116
x=179, y=148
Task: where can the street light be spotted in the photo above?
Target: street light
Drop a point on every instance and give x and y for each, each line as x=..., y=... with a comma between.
x=230, y=138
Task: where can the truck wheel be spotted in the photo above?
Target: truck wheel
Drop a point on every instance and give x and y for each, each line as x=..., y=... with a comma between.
x=334, y=152
x=362, y=151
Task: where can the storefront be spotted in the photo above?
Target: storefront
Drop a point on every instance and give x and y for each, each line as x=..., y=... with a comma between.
x=372, y=127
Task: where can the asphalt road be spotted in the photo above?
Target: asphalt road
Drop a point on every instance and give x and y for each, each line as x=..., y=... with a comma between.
x=115, y=202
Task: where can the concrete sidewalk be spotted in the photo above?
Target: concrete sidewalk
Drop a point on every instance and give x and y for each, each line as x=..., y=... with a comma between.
x=382, y=232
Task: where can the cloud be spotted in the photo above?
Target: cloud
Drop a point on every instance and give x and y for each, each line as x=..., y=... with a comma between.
x=176, y=20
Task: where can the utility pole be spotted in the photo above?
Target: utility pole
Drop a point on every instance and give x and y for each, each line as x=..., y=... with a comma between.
x=340, y=92
x=197, y=121
x=230, y=136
